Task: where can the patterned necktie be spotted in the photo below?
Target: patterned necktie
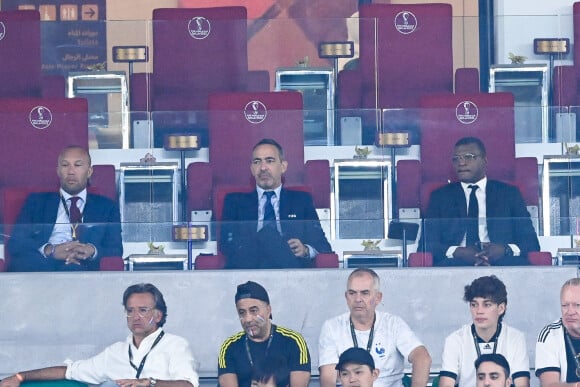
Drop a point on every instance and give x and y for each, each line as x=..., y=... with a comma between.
x=472, y=235
x=75, y=217
x=269, y=213
x=75, y=214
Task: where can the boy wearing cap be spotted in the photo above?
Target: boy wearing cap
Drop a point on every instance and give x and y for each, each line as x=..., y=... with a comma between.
x=356, y=368
x=260, y=339
x=487, y=334
x=493, y=370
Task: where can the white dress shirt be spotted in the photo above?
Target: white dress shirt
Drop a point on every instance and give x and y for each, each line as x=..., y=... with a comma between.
x=170, y=359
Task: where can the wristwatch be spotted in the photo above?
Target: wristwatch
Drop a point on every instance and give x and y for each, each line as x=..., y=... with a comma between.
x=152, y=382
x=307, y=253
x=52, y=250
x=507, y=251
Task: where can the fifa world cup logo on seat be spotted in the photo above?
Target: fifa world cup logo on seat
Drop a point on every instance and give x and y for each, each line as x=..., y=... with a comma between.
x=40, y=117
x=2, y=30
x=466, y=112
x=199, y=27
x=466, y=107
x=255, y=112
x=406, y=22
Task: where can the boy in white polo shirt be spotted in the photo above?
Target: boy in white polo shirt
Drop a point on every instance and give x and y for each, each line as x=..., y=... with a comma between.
x=487, y=298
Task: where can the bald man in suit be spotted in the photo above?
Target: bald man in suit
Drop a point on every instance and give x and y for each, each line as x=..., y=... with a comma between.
x=47, y=237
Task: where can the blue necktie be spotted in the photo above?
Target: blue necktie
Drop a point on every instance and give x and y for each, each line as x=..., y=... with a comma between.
x=269, y=213
x=472, y=235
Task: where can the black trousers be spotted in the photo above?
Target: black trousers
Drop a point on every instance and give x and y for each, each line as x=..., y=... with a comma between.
x=503, y=261
x=267, y=250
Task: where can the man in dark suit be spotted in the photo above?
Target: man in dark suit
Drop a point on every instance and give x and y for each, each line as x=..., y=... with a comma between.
x=66, y=230
x=270, y=227
x=492, y=229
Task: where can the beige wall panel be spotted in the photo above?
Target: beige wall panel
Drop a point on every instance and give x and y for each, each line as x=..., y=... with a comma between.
x=128, y=24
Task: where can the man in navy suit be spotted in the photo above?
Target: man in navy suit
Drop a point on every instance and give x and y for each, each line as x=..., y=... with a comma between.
x=270, y=227
x=502, y=233
x=51, y=235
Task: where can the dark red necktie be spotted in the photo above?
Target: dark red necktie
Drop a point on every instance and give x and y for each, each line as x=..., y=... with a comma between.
x=75, y=214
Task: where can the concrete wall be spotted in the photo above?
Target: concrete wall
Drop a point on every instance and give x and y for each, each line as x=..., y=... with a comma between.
x=47, y=318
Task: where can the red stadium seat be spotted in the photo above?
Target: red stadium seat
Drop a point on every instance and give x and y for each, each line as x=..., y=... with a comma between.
x=20, y=49
x=405, y=53
x=34, y=131
x=196, y=51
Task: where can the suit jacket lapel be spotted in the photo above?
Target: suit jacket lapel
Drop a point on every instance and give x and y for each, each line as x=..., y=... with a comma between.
x=460, y=200
x=491, y=199
x=51, y=208
x=252, y=207
x=283, y=205
x=89, y=210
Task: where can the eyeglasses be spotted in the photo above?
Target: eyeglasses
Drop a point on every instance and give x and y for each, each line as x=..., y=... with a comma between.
x=466, y=157
x=141, y=312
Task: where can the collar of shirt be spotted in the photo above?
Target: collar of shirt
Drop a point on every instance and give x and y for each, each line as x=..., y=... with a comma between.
x=61, y=231
x=261, y=192
x=262, y=205
x=82, y=195
x=262, y=201
x=482, y=206
x=145, y=345
x=481, y=184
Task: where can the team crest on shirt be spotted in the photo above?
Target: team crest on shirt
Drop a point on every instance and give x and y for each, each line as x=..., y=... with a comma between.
x=40, y=117
x=2, y=30
x=380, y=351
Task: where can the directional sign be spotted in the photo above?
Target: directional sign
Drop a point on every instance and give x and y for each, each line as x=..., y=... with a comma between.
x=74, y=33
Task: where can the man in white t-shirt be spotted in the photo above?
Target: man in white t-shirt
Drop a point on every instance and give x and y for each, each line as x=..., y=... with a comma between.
x=386, y=337
x=487, y=298
x=558, y=345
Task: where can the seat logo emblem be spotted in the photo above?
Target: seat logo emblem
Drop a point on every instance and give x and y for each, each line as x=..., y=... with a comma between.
x=406, y=22
x=2, y=30
x=199, y=27
x=466, y=112
x=40, y=117
x=255, y=112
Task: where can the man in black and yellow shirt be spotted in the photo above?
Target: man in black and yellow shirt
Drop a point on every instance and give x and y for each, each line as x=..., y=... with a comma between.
x=259, y=340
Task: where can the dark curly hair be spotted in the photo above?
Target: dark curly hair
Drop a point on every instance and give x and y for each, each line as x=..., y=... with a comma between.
x=487, y=287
